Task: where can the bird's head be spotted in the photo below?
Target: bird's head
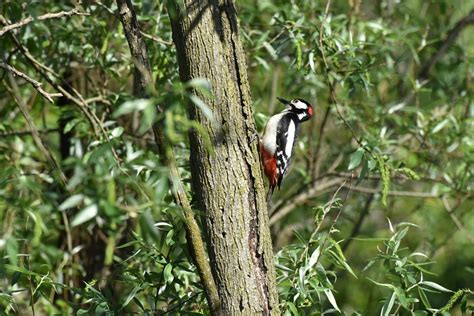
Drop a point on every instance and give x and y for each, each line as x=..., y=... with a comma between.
x=300, y=107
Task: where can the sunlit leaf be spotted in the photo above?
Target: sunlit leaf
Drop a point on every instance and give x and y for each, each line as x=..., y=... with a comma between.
x=84, y=215
x=71, y=201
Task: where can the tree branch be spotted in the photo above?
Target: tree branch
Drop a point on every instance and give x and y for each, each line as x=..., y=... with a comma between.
x=40, y=68
x=28, y=132
x=37, y=85
x=142, y=82
x=15, y=93
x=446, y=44
x=356, y=229
x=47, y=16
x=455, y=219
x=321, y=185
x=317, y=188
x=453, y=34
x=397, y=193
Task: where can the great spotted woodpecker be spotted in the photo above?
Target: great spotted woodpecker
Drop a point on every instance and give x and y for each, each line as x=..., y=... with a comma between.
x=279, y=138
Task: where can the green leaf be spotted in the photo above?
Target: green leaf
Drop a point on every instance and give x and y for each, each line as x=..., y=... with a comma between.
x=85, y=215
x=131, y=295
x=167, y=273
x=293, y=309
x=263, y=62
x=364, y=171
x=440, y=126
x=331, y=299
x=117, y=132
x=356, y=158
x=200, y=104
x=148, y=118
x=200, y=84
x=70, y=125
x=71, y=202
x=12, y=250
x=132, y=106
x=314, y=258
x=436, y=286
x=424, y=299
x=387, y=307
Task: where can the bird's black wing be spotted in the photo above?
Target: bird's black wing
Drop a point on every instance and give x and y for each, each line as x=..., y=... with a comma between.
x=287, y=132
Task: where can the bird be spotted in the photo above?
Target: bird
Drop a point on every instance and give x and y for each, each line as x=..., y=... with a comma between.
x=279, y=138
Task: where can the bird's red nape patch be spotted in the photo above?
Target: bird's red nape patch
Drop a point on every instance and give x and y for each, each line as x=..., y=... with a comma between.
x=269, y=166
x=310, y=111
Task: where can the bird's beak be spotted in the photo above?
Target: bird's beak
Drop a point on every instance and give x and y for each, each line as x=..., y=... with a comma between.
x=285, y=102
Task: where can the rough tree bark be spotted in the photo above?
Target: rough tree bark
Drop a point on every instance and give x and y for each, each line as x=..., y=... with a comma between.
x=227, y=180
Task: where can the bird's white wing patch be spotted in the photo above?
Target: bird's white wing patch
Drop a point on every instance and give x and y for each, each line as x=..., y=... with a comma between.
x=290, y=138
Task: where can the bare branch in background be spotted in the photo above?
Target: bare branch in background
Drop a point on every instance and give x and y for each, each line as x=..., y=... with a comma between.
x=446, y=44
x=362, y=215
x=42, y=69
x=155, y=38
x=15, y=93
x=450, y=209
x=27, y=133
x=397, y=193
x=453, y=34
x=37, y=85
x=47, y=16
x=318, y=187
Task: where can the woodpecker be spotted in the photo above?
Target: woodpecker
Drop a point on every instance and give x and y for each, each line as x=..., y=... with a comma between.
x=279, y=138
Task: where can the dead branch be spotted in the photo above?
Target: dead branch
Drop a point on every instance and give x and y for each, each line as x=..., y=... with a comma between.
x=15, y=93
x=318, y=187
x=446, y=44
x=42, y=69
x=47, y=16
x=27, y=133
x=36, y=84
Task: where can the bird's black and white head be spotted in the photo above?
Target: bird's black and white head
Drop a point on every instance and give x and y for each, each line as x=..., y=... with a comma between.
x=300, y=107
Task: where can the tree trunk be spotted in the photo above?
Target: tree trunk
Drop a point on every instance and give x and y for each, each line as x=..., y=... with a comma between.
x=227, y=179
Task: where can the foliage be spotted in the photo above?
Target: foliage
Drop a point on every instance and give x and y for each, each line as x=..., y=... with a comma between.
x=112, y=239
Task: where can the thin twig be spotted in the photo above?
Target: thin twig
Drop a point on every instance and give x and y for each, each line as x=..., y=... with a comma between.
x=317, y=159
x=446, y=44
x=155, y=38
x=316, y=189
x=40, y=68
x=398, y=193
x=362, y=215
x=27, y=132
x=316, y=182
x=337, y=215
x=425, y=69
x=36, y=84
x=25, y=21
x=321, y=186
x=455, y=219
x=15, y=93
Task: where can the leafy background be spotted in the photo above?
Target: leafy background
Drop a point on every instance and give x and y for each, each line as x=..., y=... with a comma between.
x=375, y=215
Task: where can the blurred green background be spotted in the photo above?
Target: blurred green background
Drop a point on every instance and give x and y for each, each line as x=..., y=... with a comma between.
x=393, y=130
